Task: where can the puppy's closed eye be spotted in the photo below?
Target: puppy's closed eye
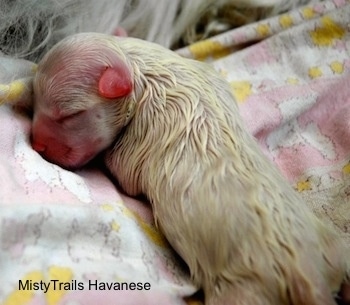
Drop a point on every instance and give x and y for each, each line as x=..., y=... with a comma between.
x=70, y=117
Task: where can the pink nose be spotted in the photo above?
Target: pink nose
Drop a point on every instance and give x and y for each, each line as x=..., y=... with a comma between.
x=39, y=147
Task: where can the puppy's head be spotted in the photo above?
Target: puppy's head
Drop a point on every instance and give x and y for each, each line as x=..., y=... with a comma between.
x=82, y=92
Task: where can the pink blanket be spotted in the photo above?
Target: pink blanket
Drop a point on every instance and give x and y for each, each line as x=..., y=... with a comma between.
x=72, y=238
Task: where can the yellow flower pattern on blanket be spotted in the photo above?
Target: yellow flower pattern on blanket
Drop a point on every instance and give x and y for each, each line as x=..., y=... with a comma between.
x=63, y=275
x=315, y=72
x=263, y=30
x=241, y=90
x=21, y=297
x=304, y=185
x=17, y=89
x=153, y=234
x=346, y=169
x=12, y=92
x=107, y=207
x=150, y=231
x=337, y=67
x=292, y=81
x=308, y=12
x=53, y=296
x=208, y=48
x=327, y=33
x=286, y=21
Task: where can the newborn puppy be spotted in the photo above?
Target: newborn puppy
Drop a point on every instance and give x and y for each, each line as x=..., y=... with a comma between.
x=171, y=130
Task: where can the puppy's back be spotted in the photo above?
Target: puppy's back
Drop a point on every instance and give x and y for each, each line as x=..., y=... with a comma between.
x=245, y=234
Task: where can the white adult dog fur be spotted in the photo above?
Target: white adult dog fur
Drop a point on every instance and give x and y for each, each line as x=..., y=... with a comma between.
x=171, y=130
x=29, y=28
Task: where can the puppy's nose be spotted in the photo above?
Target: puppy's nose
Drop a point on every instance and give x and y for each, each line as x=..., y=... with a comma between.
x=38, y=147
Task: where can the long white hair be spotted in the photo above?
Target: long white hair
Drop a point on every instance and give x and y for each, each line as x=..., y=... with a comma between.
x=28, y=28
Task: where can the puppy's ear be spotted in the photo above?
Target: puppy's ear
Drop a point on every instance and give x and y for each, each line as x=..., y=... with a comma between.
x=115, y=81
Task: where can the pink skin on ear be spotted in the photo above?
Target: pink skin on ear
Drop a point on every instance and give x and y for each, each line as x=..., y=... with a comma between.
x=115, y=81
